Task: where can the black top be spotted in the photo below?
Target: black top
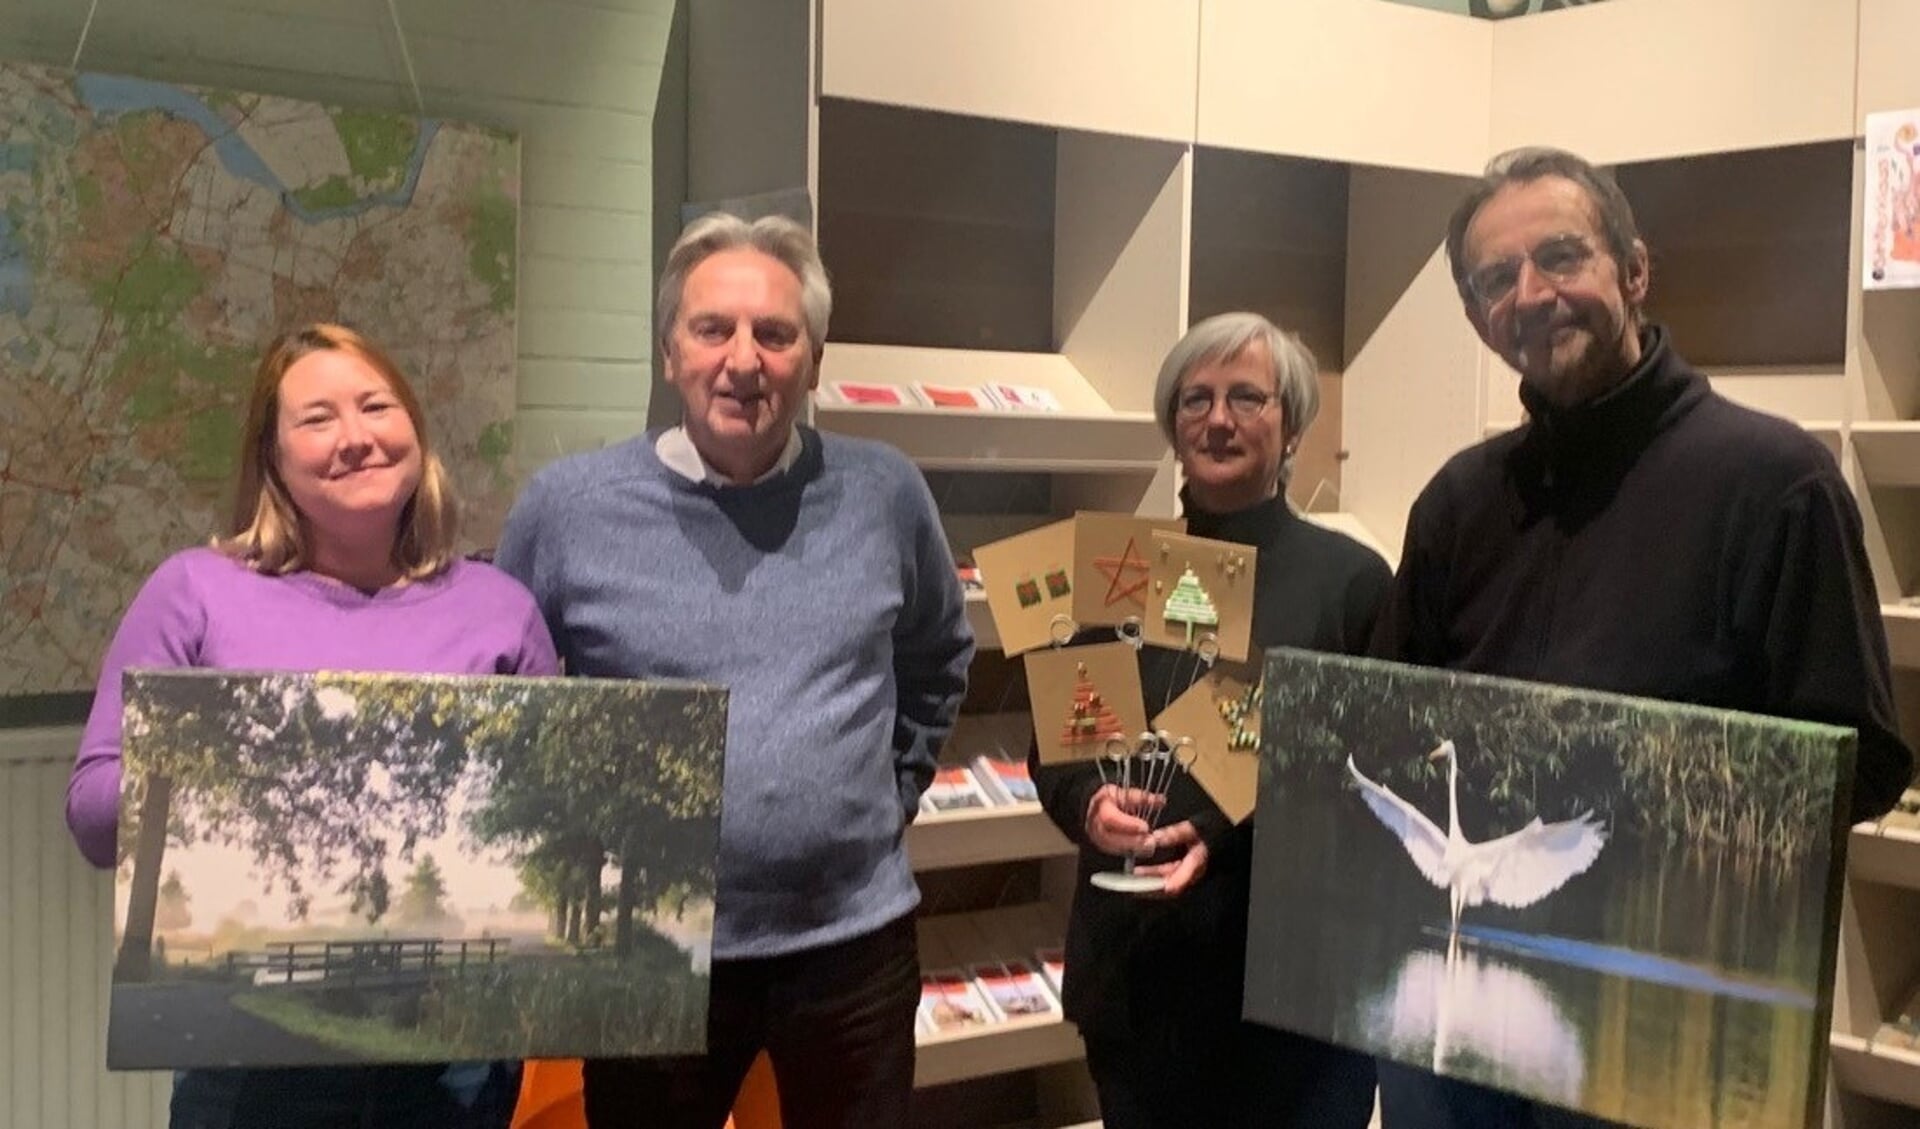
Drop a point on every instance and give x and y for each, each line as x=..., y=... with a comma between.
x=1658, y=541
x=1180, y=960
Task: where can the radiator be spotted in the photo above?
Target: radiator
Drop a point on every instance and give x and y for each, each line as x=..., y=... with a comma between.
x=56, y=944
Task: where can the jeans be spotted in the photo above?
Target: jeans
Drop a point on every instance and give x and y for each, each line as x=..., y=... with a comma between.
x=372, y=1097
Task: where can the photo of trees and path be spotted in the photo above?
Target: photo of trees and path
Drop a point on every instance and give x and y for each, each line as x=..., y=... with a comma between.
x=1623, y=907
x=360, y=868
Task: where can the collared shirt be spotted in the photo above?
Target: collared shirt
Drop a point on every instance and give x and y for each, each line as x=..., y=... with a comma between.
x=675, y=448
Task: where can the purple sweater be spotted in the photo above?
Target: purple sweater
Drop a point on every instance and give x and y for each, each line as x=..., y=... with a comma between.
x=201, y=608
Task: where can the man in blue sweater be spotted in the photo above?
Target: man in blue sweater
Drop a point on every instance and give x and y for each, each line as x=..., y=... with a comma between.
x=808, y=574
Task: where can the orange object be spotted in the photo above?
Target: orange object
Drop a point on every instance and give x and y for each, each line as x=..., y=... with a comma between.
x=551, y=1097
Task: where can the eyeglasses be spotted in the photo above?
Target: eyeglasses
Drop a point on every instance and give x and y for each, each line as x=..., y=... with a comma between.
x=1560, y=257
x=1244, y=404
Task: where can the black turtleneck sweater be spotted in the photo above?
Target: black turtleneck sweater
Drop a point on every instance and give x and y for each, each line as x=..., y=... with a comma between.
x=1178, y=962
x=1658, y=541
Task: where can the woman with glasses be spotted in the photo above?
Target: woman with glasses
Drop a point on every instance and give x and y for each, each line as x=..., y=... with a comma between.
x=1155, y=983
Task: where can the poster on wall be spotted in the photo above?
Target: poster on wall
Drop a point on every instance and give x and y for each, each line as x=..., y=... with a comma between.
x=331, y=869
x=1623, y=907
x=153, y=238
x=1891, y=211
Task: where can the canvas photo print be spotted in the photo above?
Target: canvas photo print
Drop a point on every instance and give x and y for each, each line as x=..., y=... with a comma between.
x=329, y=869
x=1623, y=907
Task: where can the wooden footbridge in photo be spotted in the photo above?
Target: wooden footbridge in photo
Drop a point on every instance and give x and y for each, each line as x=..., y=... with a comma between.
x=369, y=964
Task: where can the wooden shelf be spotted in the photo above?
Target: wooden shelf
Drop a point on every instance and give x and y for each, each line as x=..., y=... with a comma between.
x=958, y=940
x=1889, y=452
x=1862, y=1066
x=982, y=835
x=986, y=634
x=1117, y=66
x=1086, y=436
x=1016, y=1044
x=1883, y=854
x=1903, y=634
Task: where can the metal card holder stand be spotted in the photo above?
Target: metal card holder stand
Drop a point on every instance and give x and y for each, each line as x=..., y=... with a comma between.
x=1142, y=771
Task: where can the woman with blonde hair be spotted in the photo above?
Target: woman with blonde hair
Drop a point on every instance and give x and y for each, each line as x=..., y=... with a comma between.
x=339, y=556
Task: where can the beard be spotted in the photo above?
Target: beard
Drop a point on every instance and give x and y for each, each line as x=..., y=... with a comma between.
x=1582, y=369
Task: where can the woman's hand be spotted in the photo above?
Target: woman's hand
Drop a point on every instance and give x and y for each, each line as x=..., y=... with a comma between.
x=1115, y=823
x=1181, y=873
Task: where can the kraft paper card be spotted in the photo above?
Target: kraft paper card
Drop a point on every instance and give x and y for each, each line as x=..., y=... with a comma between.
x=1112, y=565
x=1082, y=697
x=1201, y=590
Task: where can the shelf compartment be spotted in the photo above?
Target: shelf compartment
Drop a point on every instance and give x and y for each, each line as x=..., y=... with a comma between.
x=982, y=835
x=1759, y=276
x=1016, y=1044
x=1421, y=98
x=1889, y=452
x=1677, y=78
x=1888, y=1073
x=1886, y=855
x=1116, y=66
x=1084, y=436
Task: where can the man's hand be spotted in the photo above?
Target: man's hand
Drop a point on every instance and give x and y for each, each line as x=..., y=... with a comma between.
x=1183, y=872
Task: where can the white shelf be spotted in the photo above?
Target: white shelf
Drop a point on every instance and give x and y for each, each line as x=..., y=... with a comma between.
x=1890, y=1074
x=981, y=835
x=1883, y=854
x=959, y=940
x=1016, y=1044
x=1903, y=634
x=1085, y=436
x=1889, y=452
x=1115, y=66
x=986, y=634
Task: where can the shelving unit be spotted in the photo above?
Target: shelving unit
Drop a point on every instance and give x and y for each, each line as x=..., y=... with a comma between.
x=1050, y=196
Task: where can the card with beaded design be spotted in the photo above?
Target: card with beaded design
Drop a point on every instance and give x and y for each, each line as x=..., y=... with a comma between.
x=1111, y=563
x=1082, y=697
x=1029, y=582
x=1199, y=590
x=1220, y=714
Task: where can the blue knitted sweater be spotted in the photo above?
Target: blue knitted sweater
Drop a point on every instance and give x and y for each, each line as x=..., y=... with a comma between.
x=825, y=600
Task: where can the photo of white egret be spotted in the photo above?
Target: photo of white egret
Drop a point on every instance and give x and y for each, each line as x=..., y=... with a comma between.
x=1624, y=907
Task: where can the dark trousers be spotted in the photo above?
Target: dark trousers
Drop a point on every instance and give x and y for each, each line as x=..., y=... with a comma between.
x=1243, y=1076
x=374, y=1097
x=1411, y=1098
x=837, y=1022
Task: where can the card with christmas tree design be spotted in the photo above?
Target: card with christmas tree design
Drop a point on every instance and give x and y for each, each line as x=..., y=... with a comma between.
x=1200, y=589
x=1083, y=696
x=1221, y=715
x=1111, y=563
x=1029, y=582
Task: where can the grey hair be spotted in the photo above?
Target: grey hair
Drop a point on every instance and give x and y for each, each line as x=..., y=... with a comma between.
x=1222, y=337
x=775, y=236
x=1524, y=166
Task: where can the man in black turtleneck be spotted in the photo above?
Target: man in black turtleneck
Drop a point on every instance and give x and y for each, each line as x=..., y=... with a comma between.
x=1639, y=534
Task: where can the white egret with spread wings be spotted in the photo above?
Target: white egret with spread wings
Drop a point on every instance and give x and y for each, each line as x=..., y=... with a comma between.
x=1514, y=870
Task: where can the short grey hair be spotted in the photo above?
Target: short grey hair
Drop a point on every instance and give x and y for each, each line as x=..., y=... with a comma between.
x=775, y=236
x=1222, y=337
x=1524, y=166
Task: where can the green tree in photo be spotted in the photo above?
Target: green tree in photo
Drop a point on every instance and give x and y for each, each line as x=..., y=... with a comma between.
x=639, y=783
x=424, y=899
x=175, y=907
x=256, y=762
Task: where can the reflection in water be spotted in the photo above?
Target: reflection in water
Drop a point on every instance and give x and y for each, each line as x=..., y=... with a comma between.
x=1463, y=1007
x=1692, y=977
